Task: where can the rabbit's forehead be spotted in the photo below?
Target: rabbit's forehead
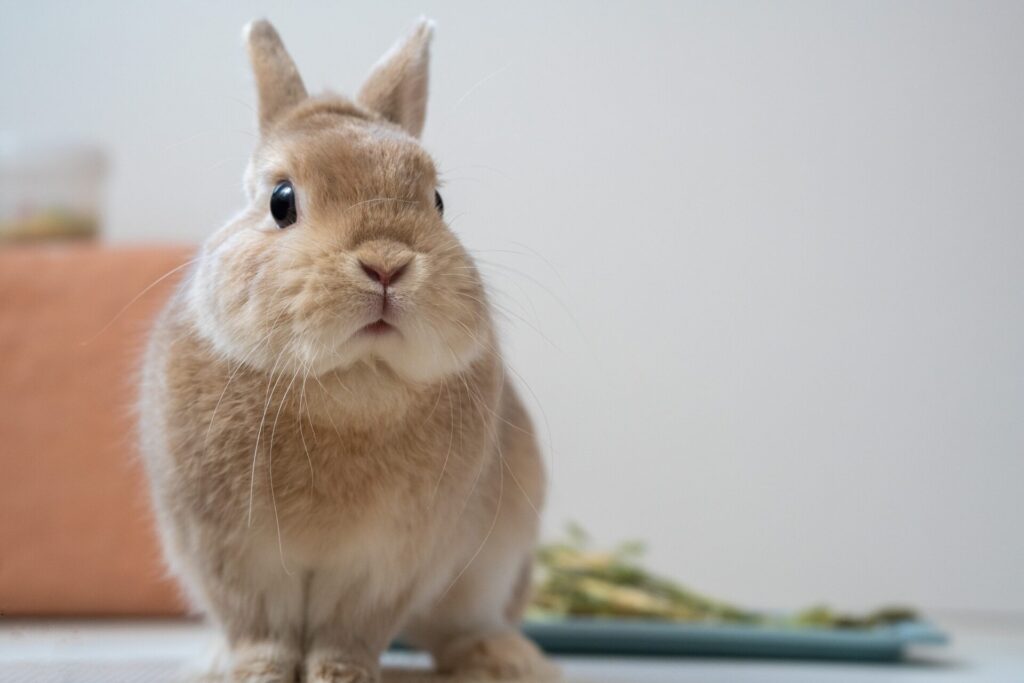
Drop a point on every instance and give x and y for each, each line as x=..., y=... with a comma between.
x=351, y=160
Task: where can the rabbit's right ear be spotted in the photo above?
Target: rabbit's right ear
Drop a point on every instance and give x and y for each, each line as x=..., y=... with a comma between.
x=397, y=87
x=278, y=83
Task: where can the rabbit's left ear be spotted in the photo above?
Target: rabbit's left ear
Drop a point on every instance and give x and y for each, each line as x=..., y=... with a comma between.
x=278, y=83
x=397, y=86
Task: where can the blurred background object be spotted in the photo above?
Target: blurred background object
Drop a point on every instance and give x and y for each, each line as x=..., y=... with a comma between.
x=76, y=534
x=49, y=191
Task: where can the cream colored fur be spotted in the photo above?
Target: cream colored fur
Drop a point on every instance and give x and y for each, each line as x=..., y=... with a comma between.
x=319, y=489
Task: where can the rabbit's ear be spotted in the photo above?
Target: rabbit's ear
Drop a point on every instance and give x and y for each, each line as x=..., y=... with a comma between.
x=278, y=83
x=397, y=86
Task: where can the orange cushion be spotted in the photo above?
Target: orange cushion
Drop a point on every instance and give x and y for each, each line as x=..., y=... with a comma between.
x=76, y=534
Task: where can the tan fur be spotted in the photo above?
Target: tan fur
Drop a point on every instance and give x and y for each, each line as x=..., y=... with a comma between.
x=397, y=88
x=320, y=490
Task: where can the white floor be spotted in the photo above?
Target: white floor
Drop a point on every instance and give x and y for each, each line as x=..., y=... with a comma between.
x=983, y=650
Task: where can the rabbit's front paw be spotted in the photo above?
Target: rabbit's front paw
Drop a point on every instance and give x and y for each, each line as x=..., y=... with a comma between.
x=498, y=656
x=263, y=663
x=330, y=667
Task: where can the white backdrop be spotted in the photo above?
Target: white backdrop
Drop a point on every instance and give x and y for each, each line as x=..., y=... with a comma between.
x=762, y=262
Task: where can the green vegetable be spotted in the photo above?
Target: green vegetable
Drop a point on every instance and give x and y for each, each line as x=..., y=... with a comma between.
x=575, y=581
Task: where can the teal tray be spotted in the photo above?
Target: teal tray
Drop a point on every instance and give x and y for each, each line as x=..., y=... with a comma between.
x=646, y=638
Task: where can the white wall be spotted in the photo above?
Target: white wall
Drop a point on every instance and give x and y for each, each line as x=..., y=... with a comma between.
x=767, y=258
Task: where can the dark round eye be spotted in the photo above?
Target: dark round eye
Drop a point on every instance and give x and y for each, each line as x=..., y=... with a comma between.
x=438, y=202
x=282, y=204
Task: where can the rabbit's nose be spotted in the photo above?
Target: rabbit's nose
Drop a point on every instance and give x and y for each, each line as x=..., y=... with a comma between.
x=386, y=275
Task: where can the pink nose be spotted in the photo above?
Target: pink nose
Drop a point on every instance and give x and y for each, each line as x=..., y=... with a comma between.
x=385, y=276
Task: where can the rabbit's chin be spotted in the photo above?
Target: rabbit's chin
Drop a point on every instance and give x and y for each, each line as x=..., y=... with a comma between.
x=417, y=355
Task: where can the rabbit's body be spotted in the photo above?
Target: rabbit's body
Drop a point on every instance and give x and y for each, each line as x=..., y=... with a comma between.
x=324, y=481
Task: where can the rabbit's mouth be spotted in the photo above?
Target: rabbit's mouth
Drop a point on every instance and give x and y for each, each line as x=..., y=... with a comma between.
x=377, y=328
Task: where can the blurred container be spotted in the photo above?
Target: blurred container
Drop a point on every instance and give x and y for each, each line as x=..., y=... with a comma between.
x=51, y=191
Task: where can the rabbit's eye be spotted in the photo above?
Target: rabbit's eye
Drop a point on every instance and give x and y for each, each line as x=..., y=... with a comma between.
x=438, y=202
x=282, y=204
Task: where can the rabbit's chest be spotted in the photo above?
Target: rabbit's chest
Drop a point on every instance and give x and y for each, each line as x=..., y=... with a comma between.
x=312, y=477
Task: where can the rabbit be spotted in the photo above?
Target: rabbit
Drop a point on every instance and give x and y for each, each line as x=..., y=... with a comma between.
x=336, y=454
